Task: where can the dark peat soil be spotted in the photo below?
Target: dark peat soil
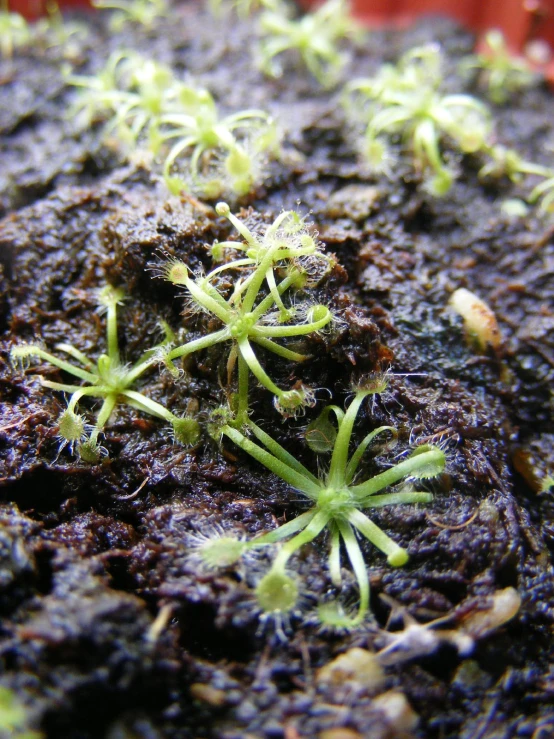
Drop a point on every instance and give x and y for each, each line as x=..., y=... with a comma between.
x=109, y=628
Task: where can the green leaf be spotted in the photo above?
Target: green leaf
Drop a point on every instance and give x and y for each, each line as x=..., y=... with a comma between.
x=321, y=433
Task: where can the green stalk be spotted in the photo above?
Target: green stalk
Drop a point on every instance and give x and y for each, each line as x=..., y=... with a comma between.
x=257, y=279
x=359, y=566
x=278, y=349
x=312, y=530
x=142, y=403
x=427, y=464
x=362, y=446
x=396, y=555
x=135, y=372
x=224, y=210
x=281, y=453
x=66, y=366
x=76, y=354
x=268, y=301
x=342, y=442
x=297, y=329
x=62, y=387
x=334, y=556
x=202, y=343
x=207, y=301
x=256, y=368
x=242, y=406
x=111, y=327
x=378, y=501
x=275, y=465
x=282, y=532
x=81, y=392
x=105, y=412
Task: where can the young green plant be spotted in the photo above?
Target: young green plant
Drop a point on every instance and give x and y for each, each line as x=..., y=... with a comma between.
x=131, y=93
x=248, y=317
x=110, y=380
x=14, y=31
x=406, y=100
x=286, y=245
x=315, y=37
x=203, y=138
x=140, y=12
x=56, y=32
x=145, y=104
x=243, y=8
x=338, y=500
x=504, y=162
x=501, y=73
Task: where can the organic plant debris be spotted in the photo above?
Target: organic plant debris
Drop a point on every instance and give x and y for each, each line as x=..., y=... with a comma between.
x=109, y=626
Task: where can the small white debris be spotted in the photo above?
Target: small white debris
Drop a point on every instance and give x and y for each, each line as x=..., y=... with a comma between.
x=480, y=323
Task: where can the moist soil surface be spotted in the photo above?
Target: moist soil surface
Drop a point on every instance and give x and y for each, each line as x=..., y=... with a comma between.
x=110, y=627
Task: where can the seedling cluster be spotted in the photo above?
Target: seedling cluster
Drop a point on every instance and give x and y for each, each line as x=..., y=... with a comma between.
x=338, y=502
x=259, y=293
x=405, y=100
x=257, y=300
x=51, y=31
x=500, y=73
x=141, y=12
x=250, y=319
x=144, y=104
x=110, y=380
x=243, y=8
x=314, y=37
x=14, y=31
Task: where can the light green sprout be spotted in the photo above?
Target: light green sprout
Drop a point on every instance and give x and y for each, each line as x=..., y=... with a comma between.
x=406, y=101
x=287, y=242
x=504, y=162
x=102, y=93
x=14, y=717
x=14, y=31
x=145, y=105
x=543, y=193
x=243, y=8
x=338, y=500
x=131, y=93
x=59, y=33
x=248, y=318
x=315, y=37
x=502, y=74
x=141, y=12
x=201, y=137
x=111, y=380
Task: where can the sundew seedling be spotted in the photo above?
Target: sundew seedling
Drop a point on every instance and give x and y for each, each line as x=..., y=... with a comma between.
x=211, y=153
x=102, y=93
x=141, y=12
x=145, y=106
x=406, y=100
x=505, y=162
x=338, y=500
x=243, y=8
x=110, y=380
x=315, y=37
x=543, y=193
x=14, y=31
x=500, y=73
x=250, y=318
x=131, y=93
x=56, y=32
x=286, y=246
